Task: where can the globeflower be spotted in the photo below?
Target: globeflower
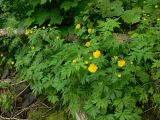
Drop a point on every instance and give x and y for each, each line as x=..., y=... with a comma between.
x=92, y=68
x=88, y=44
x=121, y=63
x=78, y=26
x=97, y=54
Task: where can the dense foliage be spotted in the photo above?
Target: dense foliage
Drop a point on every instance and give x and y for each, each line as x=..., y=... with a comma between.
x=101, y=56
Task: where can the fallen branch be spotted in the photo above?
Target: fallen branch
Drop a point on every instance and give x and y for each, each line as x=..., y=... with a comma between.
x=6, y=32
x=80, y=116
x=12, y=118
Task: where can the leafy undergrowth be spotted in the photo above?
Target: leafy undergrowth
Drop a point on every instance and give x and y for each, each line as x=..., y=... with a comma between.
x=99, y=59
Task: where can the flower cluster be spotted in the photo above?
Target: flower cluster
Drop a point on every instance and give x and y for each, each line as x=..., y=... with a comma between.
x=92, y=67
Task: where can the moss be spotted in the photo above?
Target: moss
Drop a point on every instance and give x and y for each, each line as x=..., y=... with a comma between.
x=56, y=116
x=36, y=114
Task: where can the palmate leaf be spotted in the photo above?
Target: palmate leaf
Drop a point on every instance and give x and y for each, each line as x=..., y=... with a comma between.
x=127, y=115
x=66, y=5
x=43, y=1
x=52, y=98
x=91, y=109
x=108, y=25
x=53, y=15
x=156, y=64
x=106, y=117
x=109, y=9
x=139, y=54
x=132, y=16
x=125, y=102
x=102, y=103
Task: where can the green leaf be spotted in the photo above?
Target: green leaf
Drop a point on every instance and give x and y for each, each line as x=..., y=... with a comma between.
x=52, y=98
x=66, y=5
x=43, y=2
x=55, y=17
x=132, y=16
x=109, y=9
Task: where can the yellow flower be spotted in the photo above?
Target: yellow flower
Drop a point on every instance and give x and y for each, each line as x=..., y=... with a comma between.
x=89, y=30
x=49, y=25
x=121, y=63
x=43, y=27
x=78, y=26
x=119, y=75
x=92, y=68
x=86, y=62
x=88, y=44
x=12, y=62
x=97, y=54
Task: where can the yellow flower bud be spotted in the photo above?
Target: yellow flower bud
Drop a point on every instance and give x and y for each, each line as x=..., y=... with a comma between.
x=86, y=62
x=119, y=75
x=158, y=19
x=116, y=57
x=27, y=32
x=156, y=6
x=32, y=47
x=35, y=27
x=89, y=30
x=57, y=37
x=74, y=61
x=90, y=58
x=144, y=19
x=12, y=62
x=30, y=31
